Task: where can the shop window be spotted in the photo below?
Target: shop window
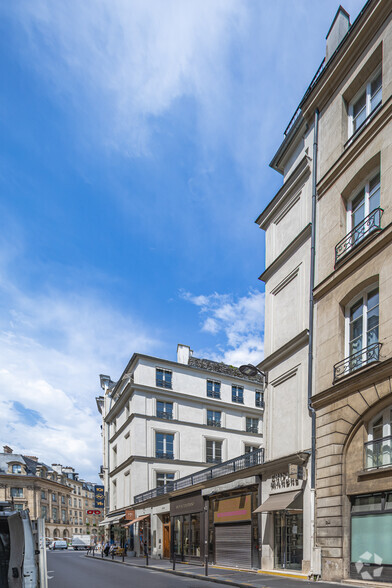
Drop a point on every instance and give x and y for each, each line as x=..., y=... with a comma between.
x=378, y=449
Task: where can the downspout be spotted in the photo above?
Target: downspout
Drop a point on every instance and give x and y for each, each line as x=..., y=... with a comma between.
x=310, y=349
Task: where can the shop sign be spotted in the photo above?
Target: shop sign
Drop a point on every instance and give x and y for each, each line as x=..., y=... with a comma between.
x=129, y=514
x=188, y=505
x=282, y=482
x=93, y=512
x=296, y=472
x=231, y=510
x=99, y=497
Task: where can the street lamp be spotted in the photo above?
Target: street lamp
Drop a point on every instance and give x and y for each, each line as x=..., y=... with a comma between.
x=251, y=371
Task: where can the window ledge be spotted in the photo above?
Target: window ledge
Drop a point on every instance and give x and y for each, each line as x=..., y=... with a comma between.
x=381, y=471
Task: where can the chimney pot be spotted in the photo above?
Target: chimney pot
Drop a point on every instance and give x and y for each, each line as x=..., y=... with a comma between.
x=184, y=352
x=7, y=449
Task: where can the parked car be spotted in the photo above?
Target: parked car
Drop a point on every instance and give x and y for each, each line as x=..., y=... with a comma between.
x=58, y=545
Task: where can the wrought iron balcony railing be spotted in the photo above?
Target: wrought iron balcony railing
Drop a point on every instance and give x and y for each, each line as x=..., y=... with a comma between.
x=356, y=361
x=378, y=453
x=163, y=414
x=213, y=394
x=369, y=224
x=259, y=403
x=252, y=429
x=164, y=455
x=237, y=464
x=211, y=459
x=213, y=422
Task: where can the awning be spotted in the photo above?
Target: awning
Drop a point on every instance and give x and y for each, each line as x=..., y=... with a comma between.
x=111, y=521
x=136, y=520
x=283, y=501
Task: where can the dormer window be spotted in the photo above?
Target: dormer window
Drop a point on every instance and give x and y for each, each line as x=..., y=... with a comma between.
x=16, y=468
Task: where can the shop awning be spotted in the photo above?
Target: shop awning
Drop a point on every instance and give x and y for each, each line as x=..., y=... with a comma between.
x=136, y=520
x=283, y=501
x=111, y=521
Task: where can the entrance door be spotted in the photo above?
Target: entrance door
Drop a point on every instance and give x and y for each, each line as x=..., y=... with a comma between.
x=288, y=540
x=166, y=540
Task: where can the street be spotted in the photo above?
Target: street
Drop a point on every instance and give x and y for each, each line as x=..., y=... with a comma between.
x=72, y=569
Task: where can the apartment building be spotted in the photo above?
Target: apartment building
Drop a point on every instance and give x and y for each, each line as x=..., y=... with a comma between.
x=336, y=203
x=164, y=420
x=29, y=483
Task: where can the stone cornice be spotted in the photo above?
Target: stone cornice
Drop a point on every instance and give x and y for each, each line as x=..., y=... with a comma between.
x=357, y=381
x=286, y=350
x=354, y=260
x=295, y=244
x=144, y=459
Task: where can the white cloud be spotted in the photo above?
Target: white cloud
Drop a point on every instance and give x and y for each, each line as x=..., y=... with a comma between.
x=53, y=347
x=241, y=321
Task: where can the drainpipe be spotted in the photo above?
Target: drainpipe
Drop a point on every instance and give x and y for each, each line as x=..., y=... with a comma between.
x=310, y=350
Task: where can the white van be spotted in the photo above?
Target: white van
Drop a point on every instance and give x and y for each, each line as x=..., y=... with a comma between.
x=58, y=545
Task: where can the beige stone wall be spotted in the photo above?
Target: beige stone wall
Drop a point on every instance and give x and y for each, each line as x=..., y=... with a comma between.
x=342, y=427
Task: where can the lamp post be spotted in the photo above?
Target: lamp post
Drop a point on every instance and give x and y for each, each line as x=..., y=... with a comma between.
x=251, y=371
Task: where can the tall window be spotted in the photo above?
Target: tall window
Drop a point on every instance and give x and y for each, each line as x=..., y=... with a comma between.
x=43, y=495
x=163, y=378
x=252, y=425
x=365, y=102
x=250, y=448
x=164, y=445
x=213, y=389
x=54, y=514
x=16, y=469
x=378, y=451
x=237, y=394
x=259, y=398
x=17, y=492
x=213, y=451
x=362, y=329
x=164, y=410
x=214, y=418
x=44, y=512
x=164, y=478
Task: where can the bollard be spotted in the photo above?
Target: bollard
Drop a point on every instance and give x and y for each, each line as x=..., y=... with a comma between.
x=147, y=558
x=123, y=556
x=206, y=565
x=112, y=554
x=102, y=551
x=174, y=560
x=93, y=551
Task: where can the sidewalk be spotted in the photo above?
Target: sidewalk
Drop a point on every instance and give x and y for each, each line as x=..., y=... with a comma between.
x=229, y=576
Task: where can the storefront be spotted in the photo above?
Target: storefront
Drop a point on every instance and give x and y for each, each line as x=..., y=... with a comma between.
x=187, y=527
x=235, y=537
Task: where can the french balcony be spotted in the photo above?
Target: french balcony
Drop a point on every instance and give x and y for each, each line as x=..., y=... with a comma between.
x=164, y=455
x=252, y=429
x=163, y=414
x=213, y=394
x=213, y=459
x=259, y=403
x=213, y=422
x=378, y=453
x=356, y=361
x=371, y=223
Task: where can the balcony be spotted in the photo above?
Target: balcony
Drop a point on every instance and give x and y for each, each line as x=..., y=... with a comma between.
x=164, y=455
x=252, y=428
x=378, y=453
x=213, y=422
x=259, y=403
x=163, y=414
x=211, y=459
x=213, y=394
x=369, y=224
x=357, y=361
x=237, y=464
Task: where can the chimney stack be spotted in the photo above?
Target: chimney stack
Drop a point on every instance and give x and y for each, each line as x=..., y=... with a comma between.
x=184, y=352
x=7, y=449
x=32, y=457
x=338, y=29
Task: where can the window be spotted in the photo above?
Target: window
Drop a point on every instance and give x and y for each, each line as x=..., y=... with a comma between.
x=86, y=503
x=54, y=498
x=365, y=102
x=237, y=394
x=163, y=378
x=63, y=500
x=378, y=449
x=250, y=448
x=213, y=389
x=362, y=325
x=18, y=507
x=17, y=492
x=259, y=398
x=164, y=478
x=75, y=502
x=164, y=445
x=80, y=503
x=63, y=517
x=44, y=512
x=54, y=514
x=213, y=418
x=213, y=451
x=43, y=495
x=16, y=469
x=252, y=425
x=164, y=410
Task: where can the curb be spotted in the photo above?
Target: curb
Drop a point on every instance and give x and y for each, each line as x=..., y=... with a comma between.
x=177, y=573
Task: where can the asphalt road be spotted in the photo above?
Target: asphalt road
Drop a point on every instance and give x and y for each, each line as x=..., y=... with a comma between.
x=71, y=569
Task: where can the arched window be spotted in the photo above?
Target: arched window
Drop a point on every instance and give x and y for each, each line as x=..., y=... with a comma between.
x=379, y=445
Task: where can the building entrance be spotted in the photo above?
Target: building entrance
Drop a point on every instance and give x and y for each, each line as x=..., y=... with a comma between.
x=288, y=531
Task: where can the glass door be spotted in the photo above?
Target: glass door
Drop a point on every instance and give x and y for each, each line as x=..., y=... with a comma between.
x=288, y=550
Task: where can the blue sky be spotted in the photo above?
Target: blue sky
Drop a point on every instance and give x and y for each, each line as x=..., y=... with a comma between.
x=134, y=152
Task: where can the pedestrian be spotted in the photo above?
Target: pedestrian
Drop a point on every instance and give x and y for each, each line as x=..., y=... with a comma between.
x=106, y=548
x=145, y=548
x=125, y=547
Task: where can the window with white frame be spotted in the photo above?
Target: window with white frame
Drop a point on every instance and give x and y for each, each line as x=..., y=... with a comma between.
x=250, y=448
x=378, y=449
x=213, y=451
x=164, y=445
x=16, y=469
x=213, y=389
x=164, y=410
x=17, y=492
x=252, y=425
x=365, y=102
x=164, y=478
x=362, y=320
x=214, y=418
x=237, y=394
x=259, y=398
x=163, y=378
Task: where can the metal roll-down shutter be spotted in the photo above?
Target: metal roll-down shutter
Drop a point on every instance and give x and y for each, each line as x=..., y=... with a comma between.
x=233, y=545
